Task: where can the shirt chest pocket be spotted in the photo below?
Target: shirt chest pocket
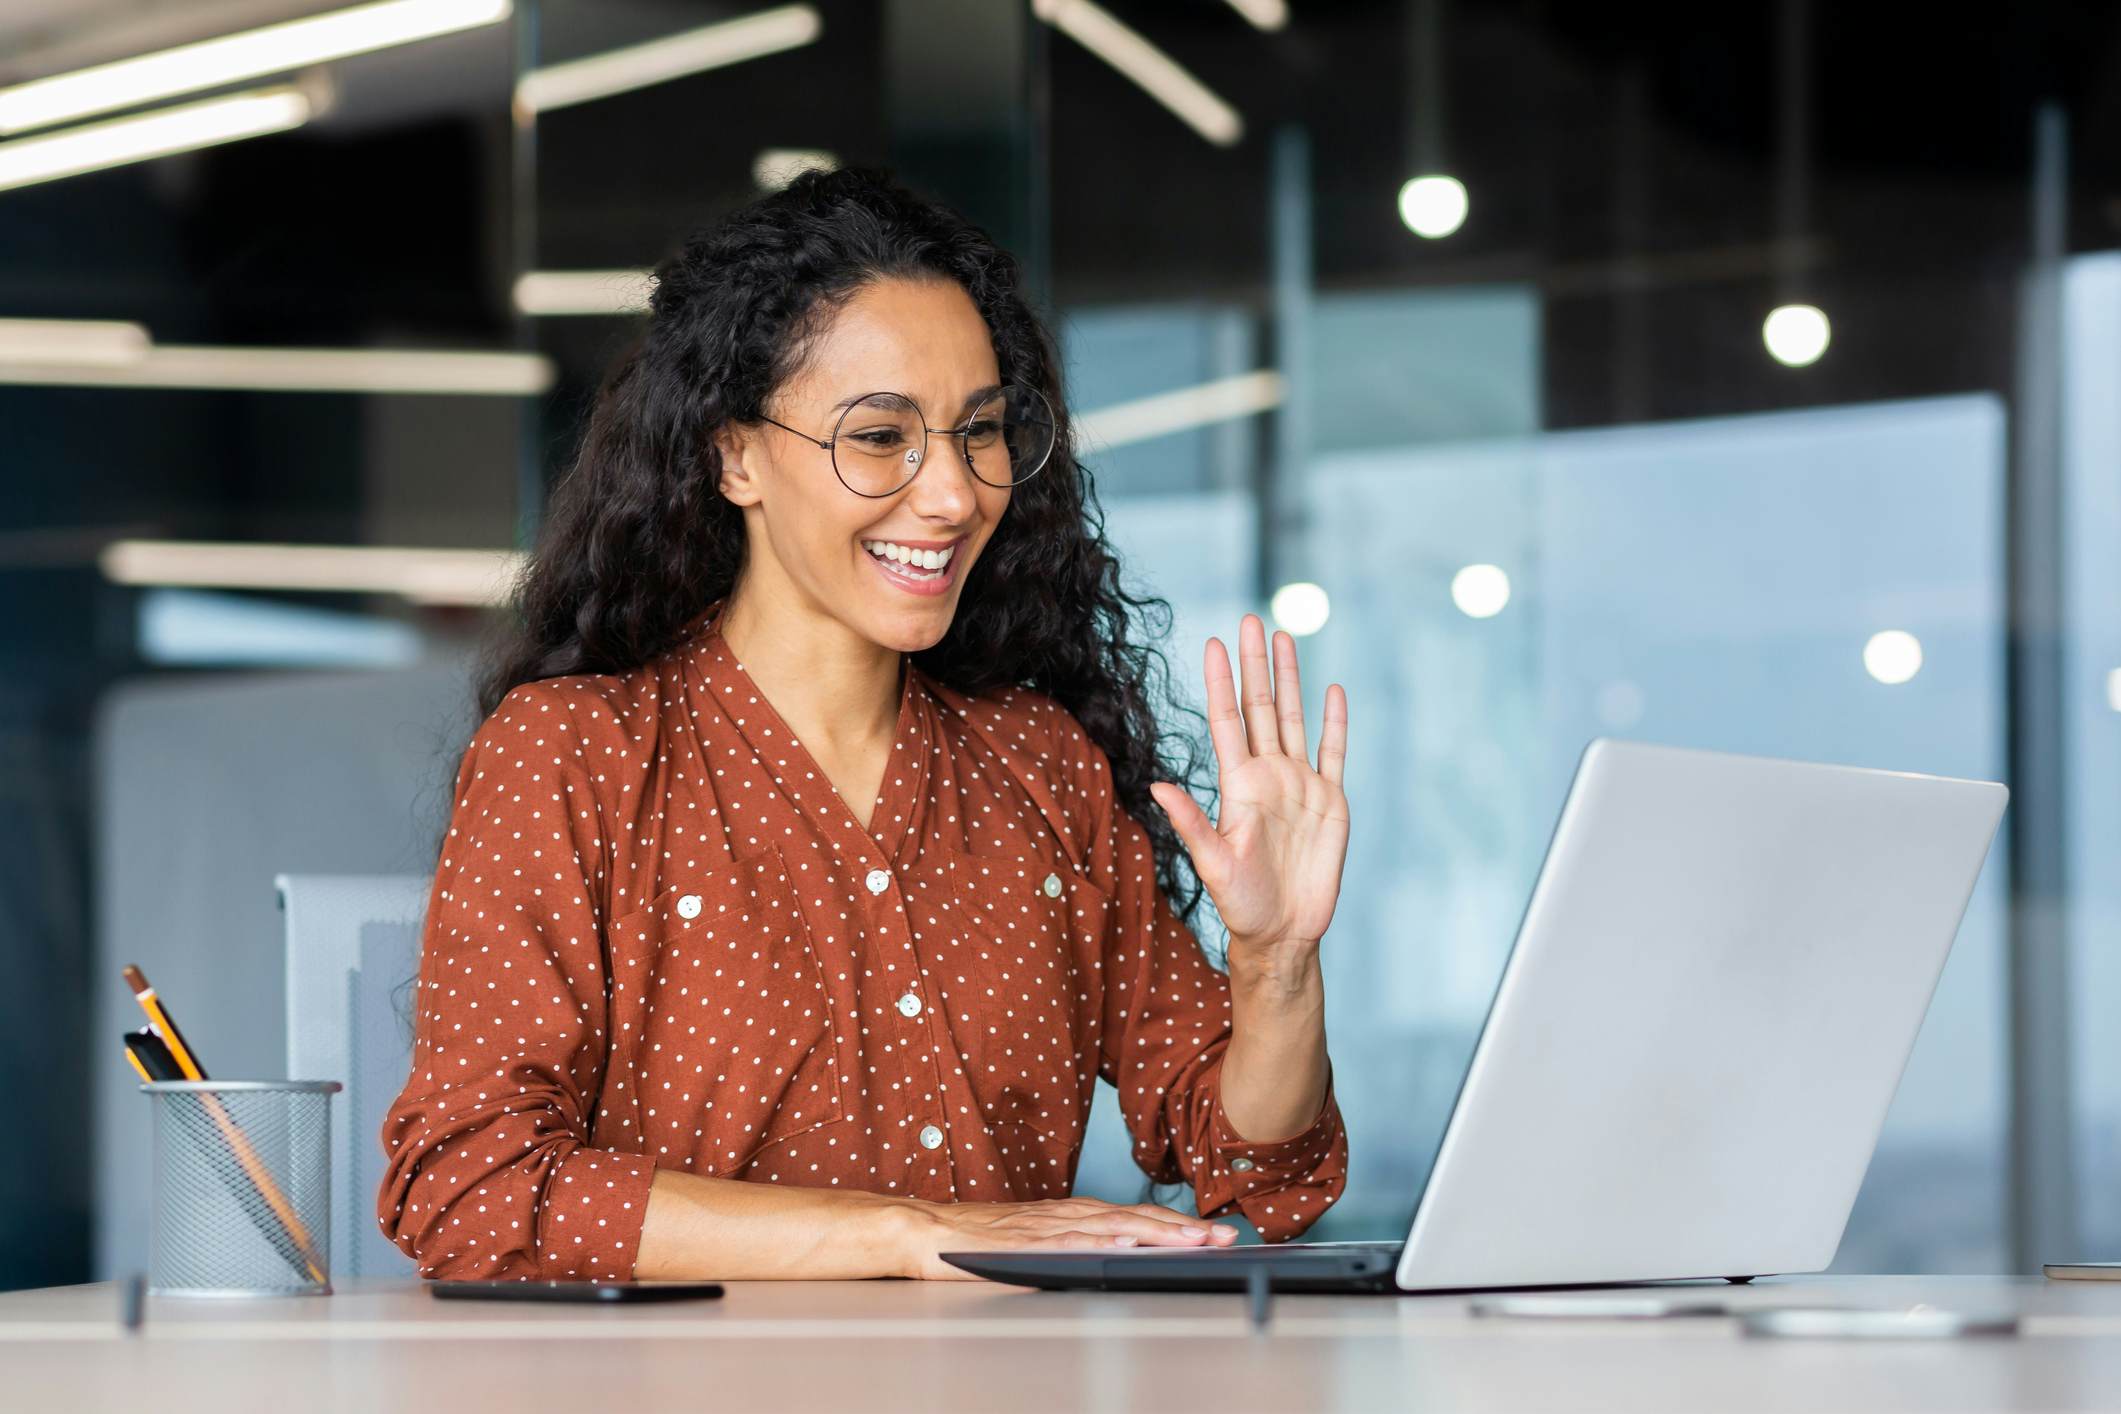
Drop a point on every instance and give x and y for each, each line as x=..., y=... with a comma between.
x=740, y=1047
x=1014, y=953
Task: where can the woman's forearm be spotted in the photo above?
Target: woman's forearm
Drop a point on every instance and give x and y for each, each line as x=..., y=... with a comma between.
x=1274, y=1071
x=699, y=1227
x=726, y=1228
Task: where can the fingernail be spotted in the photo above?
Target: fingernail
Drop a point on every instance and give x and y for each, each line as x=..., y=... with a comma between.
x=1194, y=1231
x=1225, y=1230
x=1125, y=1239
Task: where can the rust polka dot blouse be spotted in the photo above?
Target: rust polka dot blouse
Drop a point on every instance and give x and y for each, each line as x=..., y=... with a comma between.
x=658, y=937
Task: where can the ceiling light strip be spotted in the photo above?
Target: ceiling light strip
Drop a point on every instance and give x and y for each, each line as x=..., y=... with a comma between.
x=1181, y=410
x=235, y=58
x=673, y=57
x=548, y=292
x=1157, y=73
x=90, y=341
x=425, y=576
x=297, y=370
x=186, y=128
x=1268, y=15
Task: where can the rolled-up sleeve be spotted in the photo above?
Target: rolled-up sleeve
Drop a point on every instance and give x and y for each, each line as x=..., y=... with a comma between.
x=490, y=1167
x=1167, y=1024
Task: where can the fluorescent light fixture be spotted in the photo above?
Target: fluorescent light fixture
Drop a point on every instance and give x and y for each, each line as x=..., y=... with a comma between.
x=584, y=291
x=1160, y=415
x=1269, y=15
x=1796, y=334
x=185, y=128
x=235, y=58
x=1158, y=74
x=2113, y=688
x=459, y=577
x=1480, y=591
x=659, y=60
x=776, y=167
x=90, y=341
x=1302, y=608
x=276, y=370
x=1433, y=206
x=1892, y=657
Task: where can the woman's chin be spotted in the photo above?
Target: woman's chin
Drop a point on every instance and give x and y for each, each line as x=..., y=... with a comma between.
x=901, y=636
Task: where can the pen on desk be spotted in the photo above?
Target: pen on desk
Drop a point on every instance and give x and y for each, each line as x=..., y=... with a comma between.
x=132, y=1302
x=238, y=1143
x=1258, y=1295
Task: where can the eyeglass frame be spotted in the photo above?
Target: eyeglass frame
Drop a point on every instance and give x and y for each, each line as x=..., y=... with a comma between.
x=927, y=435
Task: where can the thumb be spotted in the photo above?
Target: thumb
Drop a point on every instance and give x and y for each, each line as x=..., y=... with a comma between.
x=1195, y=830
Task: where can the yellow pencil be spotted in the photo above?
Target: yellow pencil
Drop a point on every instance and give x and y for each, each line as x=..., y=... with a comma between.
x=238, y=1143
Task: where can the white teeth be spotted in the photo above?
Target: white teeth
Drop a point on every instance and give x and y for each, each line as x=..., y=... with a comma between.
x=925, y=559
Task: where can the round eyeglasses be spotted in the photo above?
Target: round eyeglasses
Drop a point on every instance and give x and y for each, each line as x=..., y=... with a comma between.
x=881, y=439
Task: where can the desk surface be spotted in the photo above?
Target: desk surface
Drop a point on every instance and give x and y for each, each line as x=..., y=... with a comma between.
x=948, y=1346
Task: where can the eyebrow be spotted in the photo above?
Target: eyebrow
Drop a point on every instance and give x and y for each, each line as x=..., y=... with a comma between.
x=972, y=399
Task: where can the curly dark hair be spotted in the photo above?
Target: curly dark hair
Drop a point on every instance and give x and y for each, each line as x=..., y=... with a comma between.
x=638, y=539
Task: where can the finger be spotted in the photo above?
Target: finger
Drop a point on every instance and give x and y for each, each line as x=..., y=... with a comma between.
x=1195, y=830
x=1158, y=1210
x=1333, y=739
x=1258, y=694
x=1225, y=727
x=1219, y=1233
x=1289, y=697
x=1075, y=1237
x=1155, y=1232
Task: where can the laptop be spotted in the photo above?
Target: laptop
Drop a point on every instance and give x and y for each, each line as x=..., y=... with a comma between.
x=1707, y=1009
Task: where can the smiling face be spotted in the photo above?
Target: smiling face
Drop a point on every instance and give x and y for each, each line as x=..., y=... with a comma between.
x=809, y=538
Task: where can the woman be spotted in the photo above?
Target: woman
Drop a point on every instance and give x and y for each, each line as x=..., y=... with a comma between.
x=811, y=863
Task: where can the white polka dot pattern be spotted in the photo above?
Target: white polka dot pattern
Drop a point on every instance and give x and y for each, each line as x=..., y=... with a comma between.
x=656, y=939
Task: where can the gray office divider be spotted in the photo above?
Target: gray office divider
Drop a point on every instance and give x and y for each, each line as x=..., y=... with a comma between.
x=353, y=958
x=208, y=786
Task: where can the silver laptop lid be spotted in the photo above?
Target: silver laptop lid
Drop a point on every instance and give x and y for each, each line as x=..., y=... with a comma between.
x=1710, y=1002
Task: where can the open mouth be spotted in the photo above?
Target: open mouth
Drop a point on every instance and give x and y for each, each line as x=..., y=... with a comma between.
x=915, y=570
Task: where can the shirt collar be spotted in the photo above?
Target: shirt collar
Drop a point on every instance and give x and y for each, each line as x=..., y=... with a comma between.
x=893, y=832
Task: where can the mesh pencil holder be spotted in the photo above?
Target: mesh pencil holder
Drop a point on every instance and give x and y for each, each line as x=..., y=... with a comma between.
x=242, y=1187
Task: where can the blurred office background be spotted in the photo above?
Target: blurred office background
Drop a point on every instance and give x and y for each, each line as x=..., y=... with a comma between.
x=1736, y=375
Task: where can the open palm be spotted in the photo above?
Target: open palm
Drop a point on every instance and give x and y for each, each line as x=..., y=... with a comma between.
x=1272, y=862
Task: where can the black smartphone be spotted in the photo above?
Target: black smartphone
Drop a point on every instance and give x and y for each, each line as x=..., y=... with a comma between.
x=602, y=1292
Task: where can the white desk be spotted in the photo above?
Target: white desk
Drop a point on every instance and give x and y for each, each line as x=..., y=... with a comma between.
x=944, y=1346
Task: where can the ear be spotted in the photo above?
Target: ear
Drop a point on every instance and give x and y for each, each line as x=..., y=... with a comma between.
x=740, y=453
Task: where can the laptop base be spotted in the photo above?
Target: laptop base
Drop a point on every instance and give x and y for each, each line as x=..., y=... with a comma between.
x=1349, y=1268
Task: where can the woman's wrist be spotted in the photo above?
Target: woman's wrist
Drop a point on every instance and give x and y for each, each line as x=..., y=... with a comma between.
x=901, y=1234
x=1276, y=989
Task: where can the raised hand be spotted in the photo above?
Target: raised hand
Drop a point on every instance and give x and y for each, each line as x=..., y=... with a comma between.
x=1272, y=862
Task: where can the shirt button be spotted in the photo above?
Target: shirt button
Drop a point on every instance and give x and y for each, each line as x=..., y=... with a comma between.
x=931, y=1137
x=1240, y=1164
x=1053, y=886
x=689, y=906
x=878, y=880
x=909, y=1005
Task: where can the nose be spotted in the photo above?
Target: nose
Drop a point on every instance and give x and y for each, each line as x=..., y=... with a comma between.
x=943, y=486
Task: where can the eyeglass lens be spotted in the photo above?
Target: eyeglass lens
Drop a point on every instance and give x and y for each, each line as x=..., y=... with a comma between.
x=881, y=440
